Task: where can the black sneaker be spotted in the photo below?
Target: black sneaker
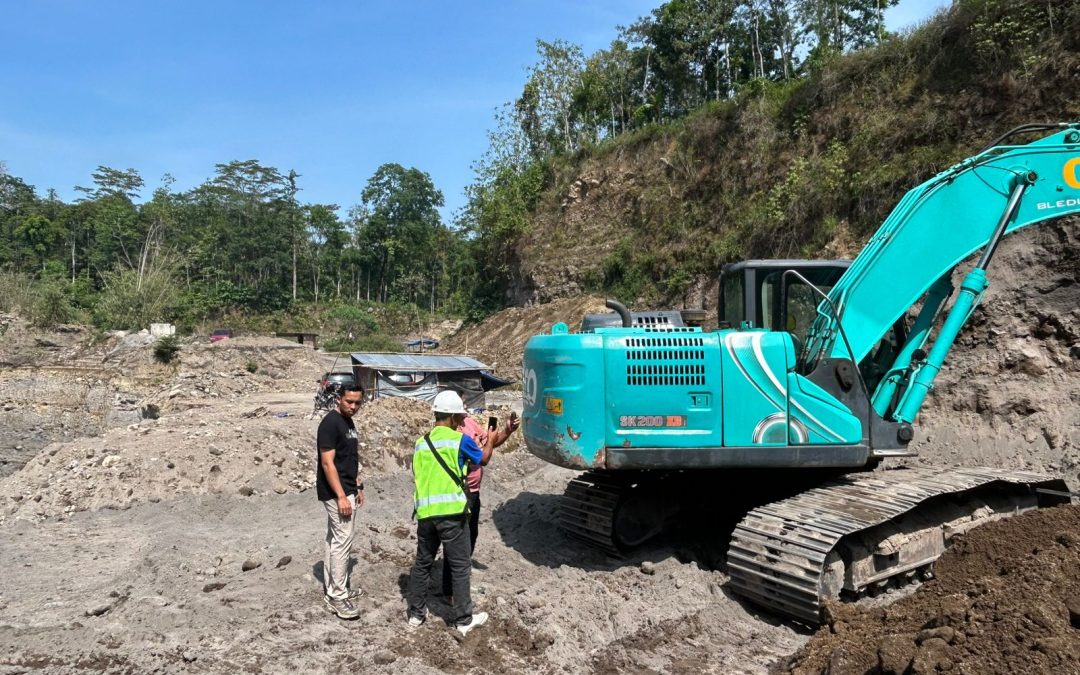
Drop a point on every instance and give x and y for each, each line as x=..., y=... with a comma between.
x=344, y=608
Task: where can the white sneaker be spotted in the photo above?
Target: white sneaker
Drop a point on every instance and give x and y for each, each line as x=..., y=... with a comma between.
x=478, y=619
x=415, y=622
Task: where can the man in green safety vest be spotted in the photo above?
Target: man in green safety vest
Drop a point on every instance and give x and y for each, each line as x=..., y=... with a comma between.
x=441, y=504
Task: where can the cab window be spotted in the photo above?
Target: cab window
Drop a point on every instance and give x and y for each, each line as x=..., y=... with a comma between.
x=731, y=299
x=801, y=302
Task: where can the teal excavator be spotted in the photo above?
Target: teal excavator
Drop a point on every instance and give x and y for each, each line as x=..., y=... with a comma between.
x=814, y=376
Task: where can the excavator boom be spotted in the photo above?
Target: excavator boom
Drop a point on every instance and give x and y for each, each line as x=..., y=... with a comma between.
x=964, y=209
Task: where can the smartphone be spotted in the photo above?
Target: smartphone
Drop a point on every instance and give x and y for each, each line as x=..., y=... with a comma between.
x=493, y=423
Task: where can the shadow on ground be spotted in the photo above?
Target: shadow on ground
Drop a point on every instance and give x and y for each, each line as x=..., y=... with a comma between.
x=528, y=524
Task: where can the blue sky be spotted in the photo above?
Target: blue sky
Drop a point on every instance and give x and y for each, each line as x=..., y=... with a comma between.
x=330, y=89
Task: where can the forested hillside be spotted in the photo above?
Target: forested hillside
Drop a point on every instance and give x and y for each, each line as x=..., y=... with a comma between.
x=708, y=131
x=803, y=168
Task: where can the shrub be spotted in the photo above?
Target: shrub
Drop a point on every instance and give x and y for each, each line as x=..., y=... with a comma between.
x=16, y=292
x=365, y=343
x=130, y=301
x=355, y=320
x=166, y=347
x=51, y=307
x=251, y=366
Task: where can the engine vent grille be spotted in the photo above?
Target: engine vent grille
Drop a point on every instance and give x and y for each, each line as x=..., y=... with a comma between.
x=666, y=342
x=665, y=361
x=651, y=320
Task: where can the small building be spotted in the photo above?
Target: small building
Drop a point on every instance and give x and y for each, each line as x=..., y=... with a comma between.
x=422, y=376
x=306, y=339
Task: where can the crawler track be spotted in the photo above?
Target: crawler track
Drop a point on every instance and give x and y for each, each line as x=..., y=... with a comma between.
x=617, y=511
x=587, y=510
x=792, y=555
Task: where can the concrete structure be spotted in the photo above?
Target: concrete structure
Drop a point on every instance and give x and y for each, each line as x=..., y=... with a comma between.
x=162, y=329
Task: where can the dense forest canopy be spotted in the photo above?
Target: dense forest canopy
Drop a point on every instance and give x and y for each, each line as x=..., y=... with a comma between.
x=125, y=253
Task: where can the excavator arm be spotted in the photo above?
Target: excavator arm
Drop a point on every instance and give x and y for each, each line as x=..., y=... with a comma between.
x=964, y=209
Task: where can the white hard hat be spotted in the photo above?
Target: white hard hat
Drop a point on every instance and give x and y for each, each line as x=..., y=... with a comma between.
x=448, y=402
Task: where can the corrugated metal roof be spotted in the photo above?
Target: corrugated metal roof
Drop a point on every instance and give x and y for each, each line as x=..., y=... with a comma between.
x=431, y=363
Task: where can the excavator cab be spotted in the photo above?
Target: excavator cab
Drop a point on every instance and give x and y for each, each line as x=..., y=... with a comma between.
x=786, y=295
x=776, y=294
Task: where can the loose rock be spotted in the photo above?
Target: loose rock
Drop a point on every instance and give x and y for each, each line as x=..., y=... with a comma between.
x=384, y=657
x=98, y=610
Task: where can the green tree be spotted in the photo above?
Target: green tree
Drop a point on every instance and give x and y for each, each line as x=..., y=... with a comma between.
x=111, y=226
x=325, y=241
x=546, y=106
x=243, y=230
x=399, y=223
x=841, y=25
x=606, y=98
x=18, y=202
x=39, y=240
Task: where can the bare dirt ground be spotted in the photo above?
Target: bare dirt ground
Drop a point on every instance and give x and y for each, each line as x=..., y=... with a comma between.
x=125, y=551
x=183, y=535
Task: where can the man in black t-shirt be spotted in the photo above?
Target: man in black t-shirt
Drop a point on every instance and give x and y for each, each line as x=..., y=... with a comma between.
x=336, y=486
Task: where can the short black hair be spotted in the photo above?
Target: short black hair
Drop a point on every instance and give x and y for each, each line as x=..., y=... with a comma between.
x=440, y=416
x=353, y=387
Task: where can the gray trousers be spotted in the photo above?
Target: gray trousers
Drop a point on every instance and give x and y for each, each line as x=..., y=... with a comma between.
x=339, y=541
x=453, y=535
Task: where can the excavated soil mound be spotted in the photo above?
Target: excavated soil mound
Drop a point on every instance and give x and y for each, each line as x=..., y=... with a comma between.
x=1006, y=600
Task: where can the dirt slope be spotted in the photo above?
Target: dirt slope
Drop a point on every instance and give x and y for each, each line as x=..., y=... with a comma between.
x=1008, y=394
x=500, y=339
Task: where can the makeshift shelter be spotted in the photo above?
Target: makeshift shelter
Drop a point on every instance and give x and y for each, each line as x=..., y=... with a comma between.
x=422, y=376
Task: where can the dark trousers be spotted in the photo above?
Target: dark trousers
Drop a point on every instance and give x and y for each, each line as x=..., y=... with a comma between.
x=452, y=534
x=474, y=523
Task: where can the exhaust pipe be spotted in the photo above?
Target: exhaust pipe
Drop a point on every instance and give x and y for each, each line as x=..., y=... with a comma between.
x=622, y=311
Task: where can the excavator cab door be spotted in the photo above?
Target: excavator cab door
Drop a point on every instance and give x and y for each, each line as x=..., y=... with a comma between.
x=758, y=292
